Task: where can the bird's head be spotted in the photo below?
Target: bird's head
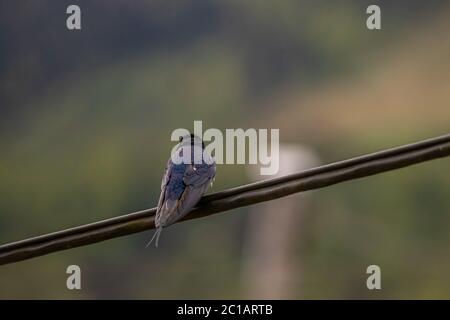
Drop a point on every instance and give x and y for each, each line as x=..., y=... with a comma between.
x=192, y=140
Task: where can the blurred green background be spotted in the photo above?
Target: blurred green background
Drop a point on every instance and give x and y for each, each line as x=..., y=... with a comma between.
x=85, y=127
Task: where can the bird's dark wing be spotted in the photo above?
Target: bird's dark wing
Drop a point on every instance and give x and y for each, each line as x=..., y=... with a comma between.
x=199, y=175
x=164, y=207
x=166, y=175
x=196, y=183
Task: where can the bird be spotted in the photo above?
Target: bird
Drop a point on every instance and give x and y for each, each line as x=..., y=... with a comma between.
x=183, y=184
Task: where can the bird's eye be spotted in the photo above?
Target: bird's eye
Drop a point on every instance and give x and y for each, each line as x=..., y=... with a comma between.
x=181, y=139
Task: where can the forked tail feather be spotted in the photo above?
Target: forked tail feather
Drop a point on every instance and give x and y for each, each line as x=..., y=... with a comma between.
x=155, y=235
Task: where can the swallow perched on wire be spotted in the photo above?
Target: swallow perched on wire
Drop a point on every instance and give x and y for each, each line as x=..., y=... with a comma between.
x=184, y=182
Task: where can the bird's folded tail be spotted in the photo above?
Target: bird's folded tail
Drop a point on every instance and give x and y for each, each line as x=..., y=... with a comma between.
x=155, y=235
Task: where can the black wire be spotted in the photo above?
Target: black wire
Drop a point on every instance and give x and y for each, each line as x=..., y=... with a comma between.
x=315, y=178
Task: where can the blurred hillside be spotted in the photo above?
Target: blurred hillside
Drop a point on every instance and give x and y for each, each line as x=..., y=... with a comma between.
x=86, y=121
x=403, y=88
